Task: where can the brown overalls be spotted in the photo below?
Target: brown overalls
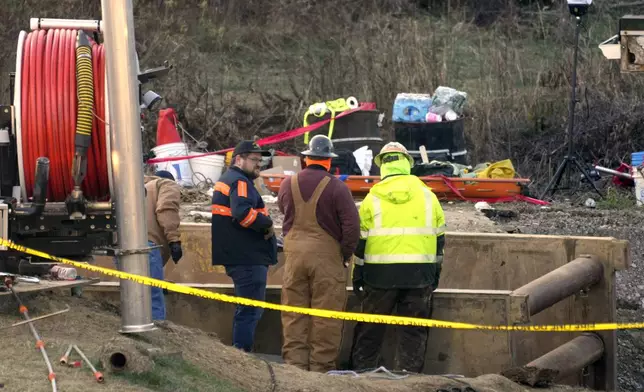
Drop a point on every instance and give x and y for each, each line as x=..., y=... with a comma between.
x=314, y=277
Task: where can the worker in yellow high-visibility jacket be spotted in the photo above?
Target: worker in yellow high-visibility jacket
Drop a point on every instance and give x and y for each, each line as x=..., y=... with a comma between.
x=399, y=259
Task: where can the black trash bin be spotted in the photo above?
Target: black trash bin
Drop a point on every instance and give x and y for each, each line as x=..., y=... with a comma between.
x=444, y=141
x=353, y=131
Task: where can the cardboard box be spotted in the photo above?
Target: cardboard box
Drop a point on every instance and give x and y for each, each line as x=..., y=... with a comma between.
x=290, y=164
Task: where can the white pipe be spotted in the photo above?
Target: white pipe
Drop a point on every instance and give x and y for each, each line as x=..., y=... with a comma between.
x=47, y=23
x=127, y=162
x=613, y=172
x=108, y=141
x=17, y=97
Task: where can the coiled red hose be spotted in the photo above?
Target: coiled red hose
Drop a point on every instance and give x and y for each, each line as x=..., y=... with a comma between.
x=48, y=113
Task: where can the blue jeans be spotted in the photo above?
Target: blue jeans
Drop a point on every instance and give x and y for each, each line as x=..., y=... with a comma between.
x=250, y=282
x=156, y=271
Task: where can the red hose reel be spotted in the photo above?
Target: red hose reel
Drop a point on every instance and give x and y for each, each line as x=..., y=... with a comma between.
x=48, y=109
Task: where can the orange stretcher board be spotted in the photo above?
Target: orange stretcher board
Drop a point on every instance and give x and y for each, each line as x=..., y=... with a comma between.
x=445, y=188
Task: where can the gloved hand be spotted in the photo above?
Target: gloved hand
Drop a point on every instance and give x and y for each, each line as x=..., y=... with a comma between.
x=175, y=251
x=437, y=275
x=269, y=233
x=358, y=280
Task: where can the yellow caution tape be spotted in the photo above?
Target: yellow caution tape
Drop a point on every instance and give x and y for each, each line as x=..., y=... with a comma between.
x=348, y=316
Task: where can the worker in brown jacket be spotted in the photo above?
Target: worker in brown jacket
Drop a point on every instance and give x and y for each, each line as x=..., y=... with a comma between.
x=162, y=196
x=322, y=229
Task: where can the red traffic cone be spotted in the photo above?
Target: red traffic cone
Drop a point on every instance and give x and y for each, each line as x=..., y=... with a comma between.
x=167, y=127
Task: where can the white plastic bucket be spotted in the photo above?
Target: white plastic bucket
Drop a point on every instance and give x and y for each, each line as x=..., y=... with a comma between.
x=179, y=169
x=639, y=186
x=206, y=168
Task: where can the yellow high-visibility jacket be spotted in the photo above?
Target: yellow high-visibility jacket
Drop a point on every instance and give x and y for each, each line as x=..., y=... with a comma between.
x=401, y=220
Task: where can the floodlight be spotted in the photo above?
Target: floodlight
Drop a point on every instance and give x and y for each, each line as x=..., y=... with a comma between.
x=579, y=7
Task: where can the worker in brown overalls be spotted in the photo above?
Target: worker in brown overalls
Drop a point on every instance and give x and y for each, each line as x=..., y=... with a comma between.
x=321, y=228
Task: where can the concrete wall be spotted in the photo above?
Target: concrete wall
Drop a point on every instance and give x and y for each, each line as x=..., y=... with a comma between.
x=479, y=273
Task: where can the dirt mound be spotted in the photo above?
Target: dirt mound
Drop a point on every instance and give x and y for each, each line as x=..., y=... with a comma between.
x=94, y=325
x=121, y=353
x=194, y=195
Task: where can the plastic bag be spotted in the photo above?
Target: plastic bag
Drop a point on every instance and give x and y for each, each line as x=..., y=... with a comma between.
x=449, y=97
x=364, y=157
x=501, y=169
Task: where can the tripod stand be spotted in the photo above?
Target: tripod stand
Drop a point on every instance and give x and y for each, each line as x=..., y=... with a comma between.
x=570, y=161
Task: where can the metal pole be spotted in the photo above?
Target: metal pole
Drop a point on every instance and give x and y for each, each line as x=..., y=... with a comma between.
x=549, y=289
x=613, y=172
x=127, y=158
x=565, y=360
x=573, y=93
x=571, y=357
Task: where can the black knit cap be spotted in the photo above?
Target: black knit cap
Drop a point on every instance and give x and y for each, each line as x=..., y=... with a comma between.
x=249, y=147
x=164, y=174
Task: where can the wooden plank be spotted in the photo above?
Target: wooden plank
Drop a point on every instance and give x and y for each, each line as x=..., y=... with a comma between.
x=45, y=285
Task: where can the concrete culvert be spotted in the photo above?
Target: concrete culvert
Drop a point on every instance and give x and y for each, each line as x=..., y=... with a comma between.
x=123, y=354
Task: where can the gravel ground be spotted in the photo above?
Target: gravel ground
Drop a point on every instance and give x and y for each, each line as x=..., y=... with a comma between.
x=459, y=216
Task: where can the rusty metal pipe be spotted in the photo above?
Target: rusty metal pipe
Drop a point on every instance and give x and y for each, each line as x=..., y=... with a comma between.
x=573, y=356
x=565, y=360
x=582, y=272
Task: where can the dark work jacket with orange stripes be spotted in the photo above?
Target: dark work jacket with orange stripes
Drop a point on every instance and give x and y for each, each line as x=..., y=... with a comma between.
x=239, y=223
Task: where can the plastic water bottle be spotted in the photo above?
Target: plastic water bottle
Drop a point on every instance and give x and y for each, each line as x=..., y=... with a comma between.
x=63, y=273
x=411, y=108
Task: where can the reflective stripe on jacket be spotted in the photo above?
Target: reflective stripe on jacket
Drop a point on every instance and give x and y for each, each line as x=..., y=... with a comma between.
x=239, y=223
x=400, y=219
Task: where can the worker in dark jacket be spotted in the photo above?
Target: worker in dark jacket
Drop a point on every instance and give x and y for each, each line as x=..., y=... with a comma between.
x=243, y=240
x=322, y=229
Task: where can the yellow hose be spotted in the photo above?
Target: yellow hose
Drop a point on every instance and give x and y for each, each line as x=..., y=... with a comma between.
x=85, y=86
x=320, y=109
x=85, y=109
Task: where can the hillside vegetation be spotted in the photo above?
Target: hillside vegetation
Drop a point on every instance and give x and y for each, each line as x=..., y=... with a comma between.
x=251, y=67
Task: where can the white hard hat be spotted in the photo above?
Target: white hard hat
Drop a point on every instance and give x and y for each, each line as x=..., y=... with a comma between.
x=393, y=147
